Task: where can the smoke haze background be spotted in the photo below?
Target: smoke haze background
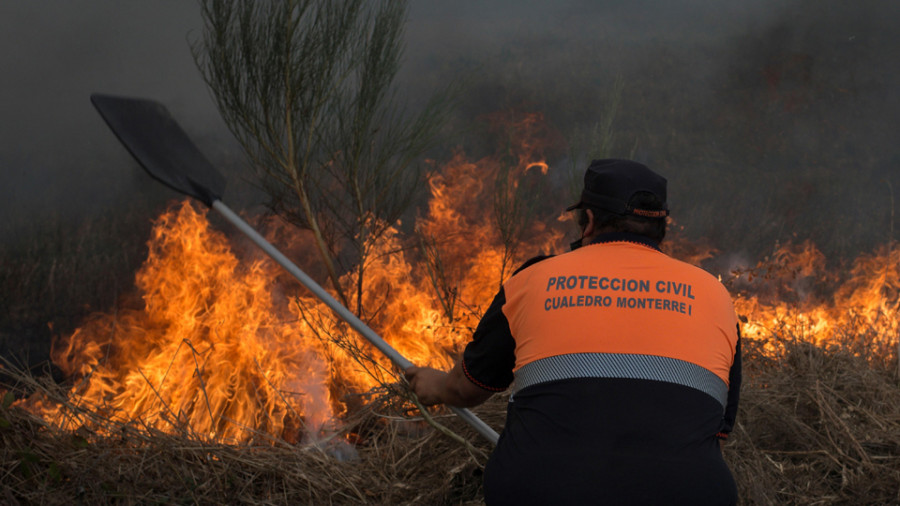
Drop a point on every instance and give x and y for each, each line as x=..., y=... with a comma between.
x=773, y=120
x=760, y=105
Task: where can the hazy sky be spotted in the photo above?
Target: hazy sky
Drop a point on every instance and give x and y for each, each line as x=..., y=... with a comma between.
x=57, y=157
x=56, y=153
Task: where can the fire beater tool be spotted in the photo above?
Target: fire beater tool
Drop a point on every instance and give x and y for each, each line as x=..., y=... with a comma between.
x=164, y=150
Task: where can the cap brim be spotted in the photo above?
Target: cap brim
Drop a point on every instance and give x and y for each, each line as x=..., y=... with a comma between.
x=577, y=205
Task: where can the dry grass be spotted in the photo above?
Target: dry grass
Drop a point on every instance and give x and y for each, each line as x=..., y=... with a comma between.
x=816, y=426
x=395, y=460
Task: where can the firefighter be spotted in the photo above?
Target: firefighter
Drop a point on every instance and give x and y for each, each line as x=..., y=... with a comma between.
x=625, y=363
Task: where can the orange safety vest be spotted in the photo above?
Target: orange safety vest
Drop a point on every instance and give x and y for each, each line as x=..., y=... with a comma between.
x=625, y=310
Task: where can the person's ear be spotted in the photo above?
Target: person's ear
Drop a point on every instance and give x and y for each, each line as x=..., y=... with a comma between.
x=589, y=228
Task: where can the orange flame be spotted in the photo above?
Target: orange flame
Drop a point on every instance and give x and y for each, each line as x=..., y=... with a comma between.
x=792, y=296
x=214, y=351
x=218, y=350
x=209, y=350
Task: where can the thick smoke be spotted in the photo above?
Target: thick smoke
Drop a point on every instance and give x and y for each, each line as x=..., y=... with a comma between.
x=773, y=120
x=60, y=162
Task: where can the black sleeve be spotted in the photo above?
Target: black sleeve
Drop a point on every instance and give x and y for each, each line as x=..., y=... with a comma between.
x=734, y=392
x=490, y=357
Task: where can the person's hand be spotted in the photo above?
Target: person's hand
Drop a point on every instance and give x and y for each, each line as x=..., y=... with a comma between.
x=429, y=384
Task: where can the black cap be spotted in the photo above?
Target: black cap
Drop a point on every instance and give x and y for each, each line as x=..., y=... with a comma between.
x=609, y=184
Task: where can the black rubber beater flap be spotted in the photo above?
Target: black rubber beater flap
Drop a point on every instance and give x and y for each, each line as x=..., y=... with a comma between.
x=161, y=146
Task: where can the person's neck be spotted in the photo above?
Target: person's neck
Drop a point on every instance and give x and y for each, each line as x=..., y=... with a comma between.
x=606, y=236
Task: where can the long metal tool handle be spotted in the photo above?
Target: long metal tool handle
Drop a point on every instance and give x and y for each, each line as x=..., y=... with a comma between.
x=344, y=313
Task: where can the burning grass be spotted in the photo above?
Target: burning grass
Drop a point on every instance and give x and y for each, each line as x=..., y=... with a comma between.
x=395, y=460
x=818, y=425
x=220, y=385
x=819, y=421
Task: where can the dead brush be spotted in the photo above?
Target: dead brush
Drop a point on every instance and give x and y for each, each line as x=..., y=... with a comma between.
x=397, y=460
x=817, y=425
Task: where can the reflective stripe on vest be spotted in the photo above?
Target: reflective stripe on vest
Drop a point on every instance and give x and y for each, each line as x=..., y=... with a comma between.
x=621, y=365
